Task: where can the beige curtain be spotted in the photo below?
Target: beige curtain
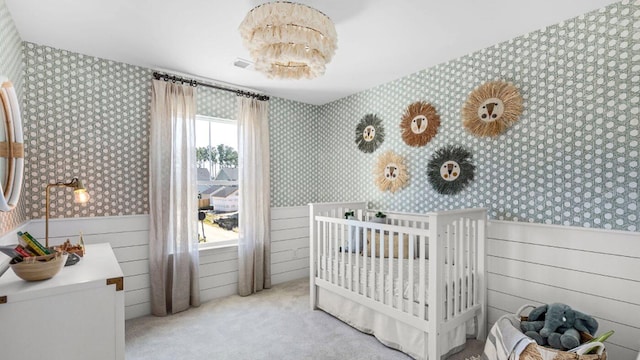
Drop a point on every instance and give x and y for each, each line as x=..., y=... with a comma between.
x=254, y=241
x=173, y=240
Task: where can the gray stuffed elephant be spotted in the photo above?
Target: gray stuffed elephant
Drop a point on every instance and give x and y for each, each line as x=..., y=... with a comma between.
x=561, y=325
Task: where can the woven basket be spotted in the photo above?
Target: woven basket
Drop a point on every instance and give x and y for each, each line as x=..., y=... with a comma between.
x=537, y=352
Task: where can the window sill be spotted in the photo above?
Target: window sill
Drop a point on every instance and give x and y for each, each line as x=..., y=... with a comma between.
x=218, y=245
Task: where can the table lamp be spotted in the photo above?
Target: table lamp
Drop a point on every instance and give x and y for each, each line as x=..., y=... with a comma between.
x=80, y=195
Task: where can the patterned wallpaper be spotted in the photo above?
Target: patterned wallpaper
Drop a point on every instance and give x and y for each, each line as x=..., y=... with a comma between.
x=90, y=117
x=293, y=175
x=572, y=158
x=216, y=103
x=85, y=117
x=293, y=144
x=11, y=67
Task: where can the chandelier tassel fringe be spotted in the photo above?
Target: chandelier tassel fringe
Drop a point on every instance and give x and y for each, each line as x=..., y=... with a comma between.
x=289, y=40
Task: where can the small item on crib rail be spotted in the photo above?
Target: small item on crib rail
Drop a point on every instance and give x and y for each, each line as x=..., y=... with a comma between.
x=349, y=214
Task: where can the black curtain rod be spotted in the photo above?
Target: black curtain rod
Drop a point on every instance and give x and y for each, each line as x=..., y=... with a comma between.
x=194, y=83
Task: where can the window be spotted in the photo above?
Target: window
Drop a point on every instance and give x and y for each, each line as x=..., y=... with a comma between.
x=217, y=181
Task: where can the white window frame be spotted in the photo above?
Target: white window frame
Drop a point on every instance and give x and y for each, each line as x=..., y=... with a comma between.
x=221, y=243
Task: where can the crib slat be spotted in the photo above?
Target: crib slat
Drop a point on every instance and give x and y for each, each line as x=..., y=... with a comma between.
x=361, y=235
x=422, y=259
x=325, y=227
x=347, y=275
x=474, y=258
x=457, y=267
x=344, y=249
x=381, y=270
x=400, y=298
x=465, y=273
x=459, y=295
x=336, y=254
x=449, y=278
x=357, y=257
x=318, y=249
x=329, y=256
x=452, y=271
x=340, y=265
x=469, y=269
x=453, y=282
x=327, y=252
x=473, y=239
x=390, y=243
x=412, y=252
x=372, y=246
x=332, y=252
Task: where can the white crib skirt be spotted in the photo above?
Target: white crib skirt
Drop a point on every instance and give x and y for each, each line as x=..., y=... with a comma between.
x=389, y=331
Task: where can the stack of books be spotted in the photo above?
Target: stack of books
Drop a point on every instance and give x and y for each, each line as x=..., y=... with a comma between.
x=27, y=248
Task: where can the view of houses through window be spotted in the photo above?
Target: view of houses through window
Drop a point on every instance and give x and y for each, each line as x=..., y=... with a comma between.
x=217, y=180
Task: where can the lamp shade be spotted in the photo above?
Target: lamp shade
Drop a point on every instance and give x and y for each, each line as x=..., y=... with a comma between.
x=80, y=194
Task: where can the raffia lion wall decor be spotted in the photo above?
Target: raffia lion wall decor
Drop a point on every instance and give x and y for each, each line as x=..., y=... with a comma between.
x=450, y=169
x=391, y=172
x=419, y=124
x=369, y=133
x=492, y=108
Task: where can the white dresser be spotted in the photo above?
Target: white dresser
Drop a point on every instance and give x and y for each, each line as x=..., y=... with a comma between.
x=77, y=314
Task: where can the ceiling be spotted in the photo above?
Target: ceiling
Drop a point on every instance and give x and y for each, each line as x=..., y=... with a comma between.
x=378, y=40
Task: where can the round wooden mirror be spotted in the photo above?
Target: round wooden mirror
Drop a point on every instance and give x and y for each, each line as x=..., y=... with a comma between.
x=11, y=147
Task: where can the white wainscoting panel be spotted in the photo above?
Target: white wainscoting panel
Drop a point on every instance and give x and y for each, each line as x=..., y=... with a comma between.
x=289, y=243
x=218, y=272
x=594, y=271
x=289, y=255
x=129, y=238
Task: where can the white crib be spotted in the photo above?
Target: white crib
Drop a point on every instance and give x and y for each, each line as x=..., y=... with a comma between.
x=416, y=282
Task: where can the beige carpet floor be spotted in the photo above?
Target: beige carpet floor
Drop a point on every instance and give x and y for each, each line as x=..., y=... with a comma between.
x=273, y=324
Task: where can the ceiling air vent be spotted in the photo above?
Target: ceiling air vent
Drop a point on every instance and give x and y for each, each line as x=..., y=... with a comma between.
x=242, y=63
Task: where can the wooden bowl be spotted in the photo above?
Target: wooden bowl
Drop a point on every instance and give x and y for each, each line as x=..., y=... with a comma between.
x=38, y=268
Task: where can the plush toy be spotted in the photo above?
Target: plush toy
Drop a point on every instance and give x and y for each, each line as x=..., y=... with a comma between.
x=532, y=330
x=561, y=325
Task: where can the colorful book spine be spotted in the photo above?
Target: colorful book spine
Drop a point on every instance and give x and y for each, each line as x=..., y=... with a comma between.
x=33, y=243
x=20, y=250
x=26, y=245
x=27, y=250
x=39, y=244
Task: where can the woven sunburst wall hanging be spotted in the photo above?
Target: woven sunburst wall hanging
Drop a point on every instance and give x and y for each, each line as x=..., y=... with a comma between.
x=419, y=124
x=369, y=133
x=450, y=169
x=391, y=172
x=492, y=108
